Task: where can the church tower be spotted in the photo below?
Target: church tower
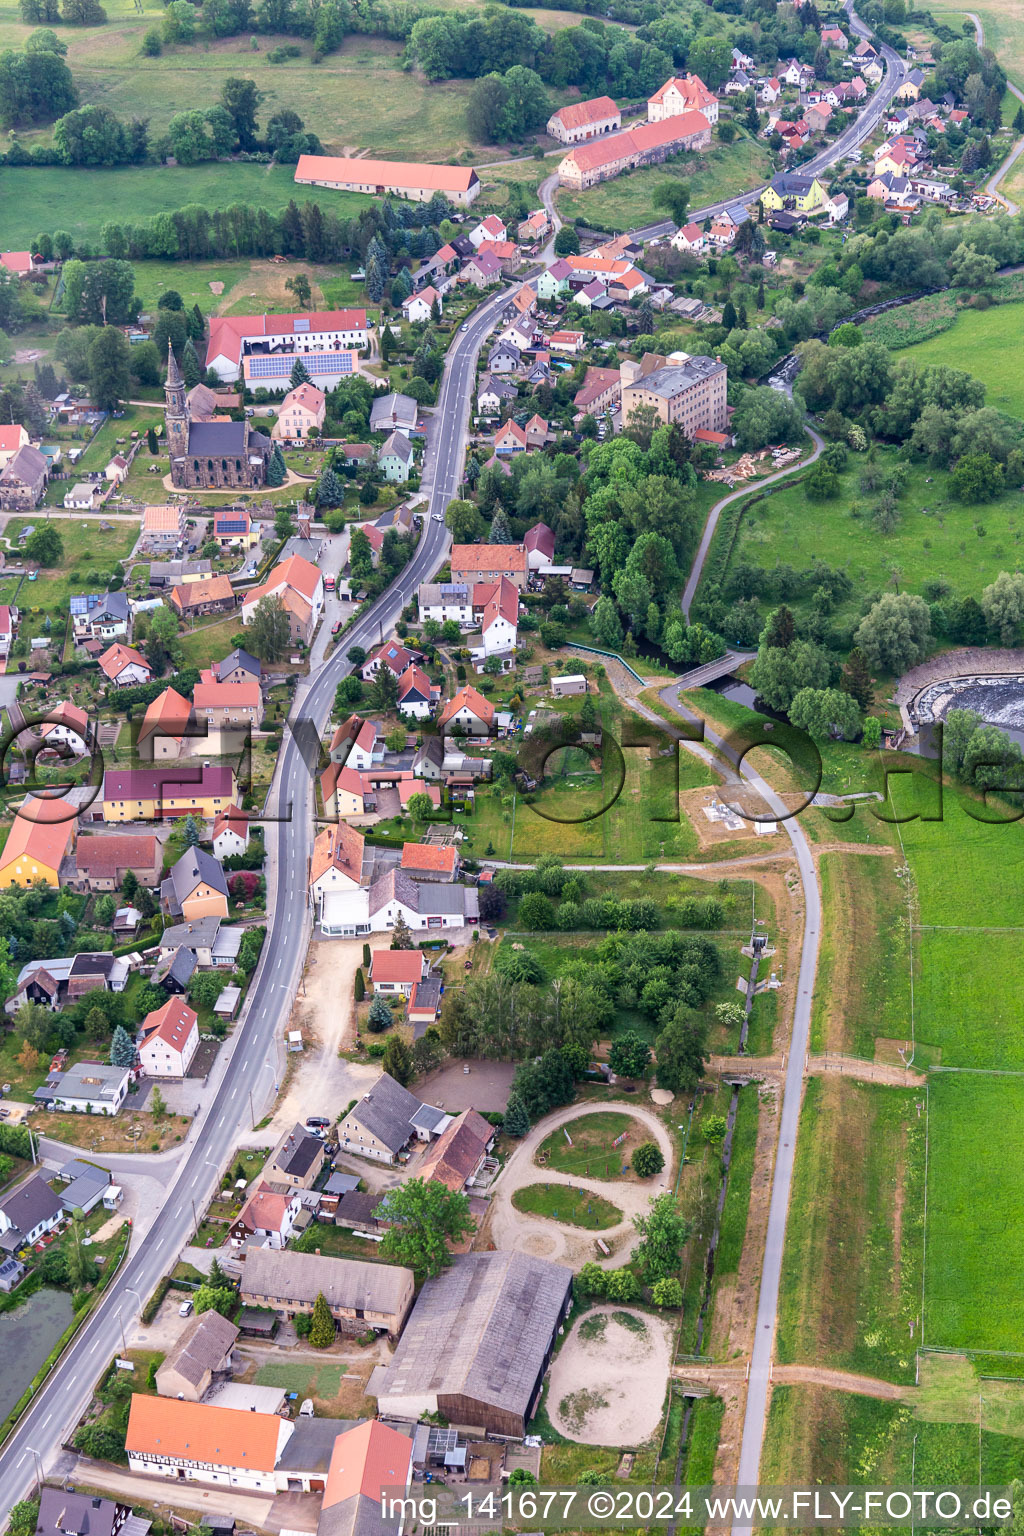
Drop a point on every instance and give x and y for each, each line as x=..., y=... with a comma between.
x=175, y=410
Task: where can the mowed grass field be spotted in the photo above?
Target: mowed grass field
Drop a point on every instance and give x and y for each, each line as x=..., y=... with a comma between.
x=986, y=343
x=862, y=988
x=723, y=171
x=936, y=536
x=1003, y=23
x=851, y=1278
x=82, y=200
x=821, y=1436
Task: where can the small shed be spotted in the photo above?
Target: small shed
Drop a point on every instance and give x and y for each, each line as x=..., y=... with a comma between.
x=226, y=1005
x=567, y=687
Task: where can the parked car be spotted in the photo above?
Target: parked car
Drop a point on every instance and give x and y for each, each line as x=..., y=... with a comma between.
x=185, y=1310
x=317, y=1122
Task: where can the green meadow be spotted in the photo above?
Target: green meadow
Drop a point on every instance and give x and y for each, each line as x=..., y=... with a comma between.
x=986, y=343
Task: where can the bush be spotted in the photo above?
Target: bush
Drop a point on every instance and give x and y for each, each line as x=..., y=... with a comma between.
x=648, y=1160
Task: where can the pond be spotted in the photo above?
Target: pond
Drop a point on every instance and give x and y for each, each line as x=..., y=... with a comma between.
x=27, y=1334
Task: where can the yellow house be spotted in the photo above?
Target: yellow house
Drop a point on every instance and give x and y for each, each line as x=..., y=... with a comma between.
x=344, y=792
x=160, y=794
x=43, y=834
x=795, y=192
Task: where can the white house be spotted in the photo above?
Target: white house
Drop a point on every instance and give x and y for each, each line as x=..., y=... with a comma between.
x=492, y=394
x=499, y=624
x=87, y=1088
x=837, y=207
x=230, y=833
x=414, y=694
x=467, y=712
x=30, y=1210
x=117, y=470
x=690, y=237
x=170, y=1039
x=490, y=228
x=444, y=601
x=339, y=898
x=202, y=1443
x=355, y=743
x=679, y=95
x=418, y=306
x=67, y=729
x=84, y=497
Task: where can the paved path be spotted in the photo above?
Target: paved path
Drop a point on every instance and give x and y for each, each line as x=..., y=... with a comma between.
x=550, y=1239
x=248, y=1509
x=697, y=569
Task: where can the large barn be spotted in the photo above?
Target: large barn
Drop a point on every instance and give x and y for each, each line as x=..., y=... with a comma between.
x=478, y=1342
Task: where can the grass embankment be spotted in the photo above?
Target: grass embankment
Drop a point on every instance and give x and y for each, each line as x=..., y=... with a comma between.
x=862, y=988
x=980, y=341
x=936, y=536
x=724, y=170
x=851, y=1279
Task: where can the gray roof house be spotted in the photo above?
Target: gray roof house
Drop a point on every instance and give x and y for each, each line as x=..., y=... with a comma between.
x=375, y=1295
x=62, y=1513
x=386, y=1119
x=478, y=1342
x=396, y=457
x=195, y=868
x=239, y=661
x=27, y=1212
x=503, y=358
x=88, y=1087
x=392, y=411
x=202, y=1352
x=199, y=935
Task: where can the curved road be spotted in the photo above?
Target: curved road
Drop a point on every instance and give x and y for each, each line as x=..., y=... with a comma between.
x=252, y=1062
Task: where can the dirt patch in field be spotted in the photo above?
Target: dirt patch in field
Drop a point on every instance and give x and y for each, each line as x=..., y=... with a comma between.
x=608, y=1382
x=265, y=283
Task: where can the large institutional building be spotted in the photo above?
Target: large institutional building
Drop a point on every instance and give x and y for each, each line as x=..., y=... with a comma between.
x=389, y=178
x=264, y=347
x=210, y=455
x=646, y=144
x=689, y=391
x=582, y=120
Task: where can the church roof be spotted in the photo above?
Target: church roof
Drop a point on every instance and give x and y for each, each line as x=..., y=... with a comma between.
x=173, y=371
x=217, y=437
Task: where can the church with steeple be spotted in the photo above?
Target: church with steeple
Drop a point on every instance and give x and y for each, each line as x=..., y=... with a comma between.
x=210, y=455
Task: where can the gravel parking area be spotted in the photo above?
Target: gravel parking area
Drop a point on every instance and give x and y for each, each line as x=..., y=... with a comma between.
x=484, y=1086
x=608, y=1381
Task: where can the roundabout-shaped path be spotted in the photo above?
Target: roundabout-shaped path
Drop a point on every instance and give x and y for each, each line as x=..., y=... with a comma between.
x=547, y=1238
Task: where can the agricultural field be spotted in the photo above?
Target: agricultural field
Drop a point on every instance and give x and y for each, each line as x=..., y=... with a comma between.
x=858, y=1189
x=936, y=537
x=724, y=171
x=1003, y=27
x=980, y=341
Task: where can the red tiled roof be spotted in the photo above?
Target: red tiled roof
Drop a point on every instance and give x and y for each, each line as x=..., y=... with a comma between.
x=496, y=558
x=389, y=173
x=102, y=857
x=690, y=87
x=396, y=965
x=432, y=856
x=172, y=1023
x=339, y=847
x=116, y=658
x=365, y=1460
x=227, y=332
x=201, y=1432
x=580, y=114
x=42, y=831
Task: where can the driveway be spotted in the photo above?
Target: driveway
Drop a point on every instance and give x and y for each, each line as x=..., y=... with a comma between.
x=573, y=1245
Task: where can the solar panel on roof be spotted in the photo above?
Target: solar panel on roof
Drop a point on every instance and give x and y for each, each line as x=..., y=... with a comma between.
x=301, y=323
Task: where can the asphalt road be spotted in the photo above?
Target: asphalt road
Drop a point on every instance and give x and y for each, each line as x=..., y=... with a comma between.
x=253, y=1068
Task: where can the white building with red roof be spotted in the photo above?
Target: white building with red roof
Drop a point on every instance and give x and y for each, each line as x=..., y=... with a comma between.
x=170, y=1039
x=124, y=666
x=235, y=337
x=300, y=586
x=419, y=306
x=686, y=93
x=390, y=178
x=431, y=861
x=230, y=833
x=11, y=439
x=469, y=712
x=66, y=729
x=394, y=971
x=300, y=414
x=355, y=743
x=539, y=542
x=8, y=627
x=417, y=695
x=582, y=120
x=18, y=262
x=490, y=228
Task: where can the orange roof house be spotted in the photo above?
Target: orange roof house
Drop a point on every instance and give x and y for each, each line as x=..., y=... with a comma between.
x=483, y=562
x=164, y=1430
x=431, y=861
x=164, y=726
x=364, y=1462
x=404, y=178
x=468, y=706
x=338, y=849
x=123, y=665
x=43, y=834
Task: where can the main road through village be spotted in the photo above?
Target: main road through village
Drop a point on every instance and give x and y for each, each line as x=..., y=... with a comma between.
x=253, y=1054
